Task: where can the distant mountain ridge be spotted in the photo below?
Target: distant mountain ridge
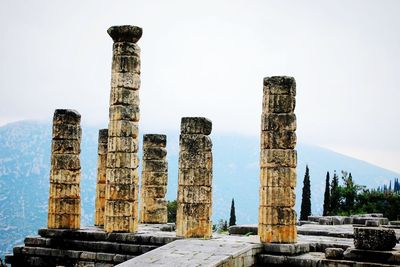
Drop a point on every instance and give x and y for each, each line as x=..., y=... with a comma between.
x=25, y=164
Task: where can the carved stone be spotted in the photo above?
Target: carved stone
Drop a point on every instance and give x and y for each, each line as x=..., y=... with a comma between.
x=101, y=178
x=278, y=161
x=64, y=211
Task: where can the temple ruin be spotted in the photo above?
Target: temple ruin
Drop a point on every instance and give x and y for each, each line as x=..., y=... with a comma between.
x=153, y=206
x=64, y=210
x=101, y=178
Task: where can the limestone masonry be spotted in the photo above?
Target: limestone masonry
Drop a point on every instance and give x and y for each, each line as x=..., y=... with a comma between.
x=65, y=173
x=153, y=206
x=121, y=208
x=278, y=161
x=101, y=178
x=194, y=209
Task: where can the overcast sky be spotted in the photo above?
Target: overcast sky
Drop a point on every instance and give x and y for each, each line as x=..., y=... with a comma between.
x=208, y=58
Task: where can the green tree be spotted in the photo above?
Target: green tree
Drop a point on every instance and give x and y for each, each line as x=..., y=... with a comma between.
x=171, y=211
x=306, y=197
x=232, y=217
x=335, y=195
x=327, y=196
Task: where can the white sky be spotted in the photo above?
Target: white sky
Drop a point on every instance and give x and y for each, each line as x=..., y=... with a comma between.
x=208, y=58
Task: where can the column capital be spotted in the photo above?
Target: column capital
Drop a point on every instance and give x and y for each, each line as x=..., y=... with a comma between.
x=125, y=33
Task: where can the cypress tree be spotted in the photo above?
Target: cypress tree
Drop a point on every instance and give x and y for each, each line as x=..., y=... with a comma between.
x=306, y=197
x=327, y=196
x=232, y=218
x=335, y=195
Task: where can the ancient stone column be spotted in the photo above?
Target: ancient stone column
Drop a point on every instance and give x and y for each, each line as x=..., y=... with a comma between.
x=277, y=217
x=121, y=210
x=195, y=179
x=153, y=206
x=101, y=178
x=65, y=173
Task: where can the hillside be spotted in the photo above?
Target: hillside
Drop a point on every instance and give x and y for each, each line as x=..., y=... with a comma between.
x=25, y=162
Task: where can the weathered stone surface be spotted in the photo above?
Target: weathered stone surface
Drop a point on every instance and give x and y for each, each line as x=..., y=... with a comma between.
x=101, y=177
x=243, y=229
x=286, y=249
x=279, y=85
x=373, y=238
x=363, y=219
x=124, y=115
x=155, y=165
x=382, y=257
x=372, y=223
x=196, y=125
x=154, y=140
x=154, y=153
x=334, y=253
x=154, y=178
x=194, y=179
x=278, y=161
x=64, y=193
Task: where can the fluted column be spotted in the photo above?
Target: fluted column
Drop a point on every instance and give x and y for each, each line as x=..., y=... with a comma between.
x=195, y=179
x=64, y=211
x=153, y=206
x=101, y=177
x=121, y=210
x=277, y=217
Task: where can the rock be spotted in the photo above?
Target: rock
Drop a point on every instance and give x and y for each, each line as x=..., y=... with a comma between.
x=372, y=223
x=334, y=253
x=196, y=125
x=314, y=218
x=363, y=219
x=243, y=229
x=359, y=255
x=337, y=220
x=325, y=221
x=373, y=238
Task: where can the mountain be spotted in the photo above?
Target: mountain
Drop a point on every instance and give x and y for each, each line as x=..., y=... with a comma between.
x=25, y=164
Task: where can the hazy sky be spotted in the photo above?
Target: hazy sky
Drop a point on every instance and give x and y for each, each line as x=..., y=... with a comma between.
x=208, y=58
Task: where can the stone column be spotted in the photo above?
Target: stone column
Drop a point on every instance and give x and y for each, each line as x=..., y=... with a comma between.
x=277, y=217
x=101, y=177
x=65, y=173
x=195, y=179
x=121, y=210
x=153, y=206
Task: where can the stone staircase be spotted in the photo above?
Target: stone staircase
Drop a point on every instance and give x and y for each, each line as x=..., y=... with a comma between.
x=86, y=247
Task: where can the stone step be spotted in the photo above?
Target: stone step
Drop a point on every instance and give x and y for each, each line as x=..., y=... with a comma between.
x=93, y=246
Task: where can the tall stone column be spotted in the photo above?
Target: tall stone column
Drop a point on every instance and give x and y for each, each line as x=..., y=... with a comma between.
x=277, y=217
x=195, y=179
x=65, y=173
x=121, y=210
x=101, y=177
x=153, y=206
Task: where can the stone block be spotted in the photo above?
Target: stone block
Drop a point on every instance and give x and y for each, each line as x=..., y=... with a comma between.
x=65, y=162
x=122, y=192
x=122, y=160
x=126, y=63
x=334, y=253
x=374, y=238
x=63, y=221
x=124, y=97
x=194, y=211
x=243, y=229
x=125, y=80
x=199, y=160
x=155, y=165
x=278, y=122
x=195, y=177
x=65, y=146
x=194, y=143
x=122, y=176
x=194, y=194
x=69, y=116
x=123, y=128
x=154, y=178
x=277, y=233
x=122, y=144
x=125, y=34
x=279, y=103
x=64, y=190
x=154, y=191
x=194, y=228
x=67, y=131
x=127, y=49
x=277, y=215
x=64, y=206
x=119, y=208
x=372, y=223
x=196, y=125
x=286, y=249
x=278, y=176
x=277, y=196
x=278, y=139
x=120, y=224
x=65, y=176
x=154, y=140
x=279, y=85
x=278, y=158
x=103, y=136
x=314, y=218
x=120, y=112
x=384, y=258
x=157, y=153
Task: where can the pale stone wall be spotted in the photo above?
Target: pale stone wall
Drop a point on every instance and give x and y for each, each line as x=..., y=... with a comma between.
x=153, y=206
x=195, y=179
x=101, y=178
x=277, y=217
x=64, y=209
x=121, y=208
